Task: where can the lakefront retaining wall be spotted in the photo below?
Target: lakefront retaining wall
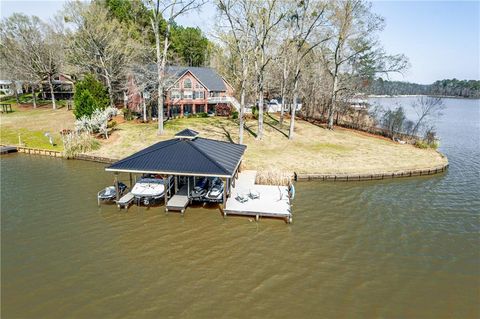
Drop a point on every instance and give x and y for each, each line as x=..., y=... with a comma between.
x=295, y=176
x=367, y=177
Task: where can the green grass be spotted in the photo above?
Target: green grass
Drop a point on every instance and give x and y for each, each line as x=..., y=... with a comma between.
x=29, y=138
x=27, y=99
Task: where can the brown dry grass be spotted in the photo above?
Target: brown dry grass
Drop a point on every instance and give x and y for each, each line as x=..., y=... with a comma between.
x=313, y=149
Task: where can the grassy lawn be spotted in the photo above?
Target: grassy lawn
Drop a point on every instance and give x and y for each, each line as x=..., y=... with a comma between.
x=313, y=150
x=32, y=124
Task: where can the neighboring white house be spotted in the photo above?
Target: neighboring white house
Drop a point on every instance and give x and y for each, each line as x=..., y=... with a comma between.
x=275, y=105
x=6, y=87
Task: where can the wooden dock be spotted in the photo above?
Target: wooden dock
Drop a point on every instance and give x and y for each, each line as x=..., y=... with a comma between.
x=8, y=149
x=179, y=201
x=274, y=201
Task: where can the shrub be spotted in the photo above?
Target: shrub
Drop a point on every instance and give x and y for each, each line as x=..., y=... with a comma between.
x=235, y=115
x=90, y=94
x=424, y=144
x=255, y=112
x=421, y=144
x=76, y=143
x=223, y=110
x=85, y=104
x=97, y=122
x=201, y=114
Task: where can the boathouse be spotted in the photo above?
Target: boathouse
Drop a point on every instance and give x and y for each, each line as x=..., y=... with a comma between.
x=185, y=157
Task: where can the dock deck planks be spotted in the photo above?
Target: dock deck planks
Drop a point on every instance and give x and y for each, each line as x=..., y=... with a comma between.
x=274, y=201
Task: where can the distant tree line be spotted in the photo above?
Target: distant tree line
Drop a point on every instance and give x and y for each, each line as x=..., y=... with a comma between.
x=449, y=87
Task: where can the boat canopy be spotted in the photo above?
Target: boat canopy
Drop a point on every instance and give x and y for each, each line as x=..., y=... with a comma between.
x=184, y=156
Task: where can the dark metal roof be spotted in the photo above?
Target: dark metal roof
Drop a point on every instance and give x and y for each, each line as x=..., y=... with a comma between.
x=187, y=133
x=208, y=76
x=199, y=156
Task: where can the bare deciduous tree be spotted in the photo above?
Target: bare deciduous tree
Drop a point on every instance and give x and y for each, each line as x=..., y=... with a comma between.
x=100, y=45
x=168, y=10
x=427, y=108
x=238, y=14
x=268, y=14
x=31, y=49
x=307, y=17
x=353, y=45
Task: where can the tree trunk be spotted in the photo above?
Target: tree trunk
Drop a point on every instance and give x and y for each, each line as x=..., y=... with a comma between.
x=110, y=92
x=34, y=97
x=144, y=108
x=260, y=112
x=50, y=83
x=14, y=87
x=260, y=101
x=283, y=89
x=242, y=109
x=294, y=106
x=161, y=61
x=331, y=110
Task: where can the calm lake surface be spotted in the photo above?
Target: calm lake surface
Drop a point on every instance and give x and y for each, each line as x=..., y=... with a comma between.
x=406, y=248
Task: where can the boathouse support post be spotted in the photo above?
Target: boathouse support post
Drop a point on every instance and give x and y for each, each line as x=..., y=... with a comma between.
x=224, y=180
x=131, y=180
x=167, y=189
x=117, y=190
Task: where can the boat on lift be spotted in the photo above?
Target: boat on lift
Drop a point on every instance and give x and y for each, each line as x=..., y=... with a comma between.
x=148, y=191
x=109, y=193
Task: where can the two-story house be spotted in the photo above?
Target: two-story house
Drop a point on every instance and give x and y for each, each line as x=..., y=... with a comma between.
x=197, y=89
x=189, y=90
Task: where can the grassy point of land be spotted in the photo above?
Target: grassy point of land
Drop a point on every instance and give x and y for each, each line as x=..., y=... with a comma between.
x=313, y=150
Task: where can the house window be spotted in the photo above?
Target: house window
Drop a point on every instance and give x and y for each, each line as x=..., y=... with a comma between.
x=187, y=94
x=198, y=86
x=175, y=95
x=198, y=95
x=187, y=84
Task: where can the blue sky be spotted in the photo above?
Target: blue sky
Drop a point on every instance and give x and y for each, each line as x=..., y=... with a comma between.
x=441, y=38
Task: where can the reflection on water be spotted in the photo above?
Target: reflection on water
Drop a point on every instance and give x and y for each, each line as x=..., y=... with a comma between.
x=405, y=248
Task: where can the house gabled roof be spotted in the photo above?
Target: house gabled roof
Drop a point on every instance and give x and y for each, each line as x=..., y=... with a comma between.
x=199, y=157
x=207, y=76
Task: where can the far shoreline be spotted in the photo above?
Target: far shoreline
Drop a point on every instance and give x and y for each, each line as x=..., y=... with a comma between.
x=419, y=95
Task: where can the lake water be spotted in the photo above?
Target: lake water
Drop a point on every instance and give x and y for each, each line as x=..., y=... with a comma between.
x=405, y=248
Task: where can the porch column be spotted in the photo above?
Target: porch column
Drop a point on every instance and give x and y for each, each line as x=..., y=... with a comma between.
x=205, y=108
x=194, y=108
x=181, y=110
x=168, y=110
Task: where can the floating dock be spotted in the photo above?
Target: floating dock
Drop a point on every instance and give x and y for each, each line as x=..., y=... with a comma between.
x=274, y=201
x=125, y=201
